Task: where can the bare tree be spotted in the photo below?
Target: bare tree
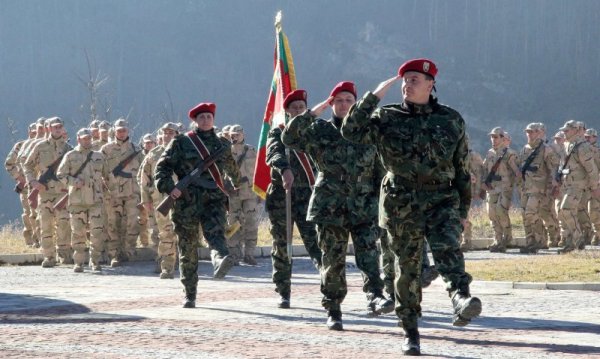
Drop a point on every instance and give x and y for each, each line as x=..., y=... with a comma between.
x=94, y=81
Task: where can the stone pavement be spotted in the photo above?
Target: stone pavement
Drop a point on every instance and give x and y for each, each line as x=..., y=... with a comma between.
x=128, y=312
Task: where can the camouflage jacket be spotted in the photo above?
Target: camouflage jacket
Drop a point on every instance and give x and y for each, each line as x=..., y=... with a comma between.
x=476, y=170
x=181, y=157
x=418, y=144
x=541, y=168
x=245, y=157
x=93, y=172
x=41, y=156
x=581, y=171
x=146, y=176
x=114, y=153
x=97, y=144
x=344, y=192
x=506, y=173
x=278, y=162
x=12, y=161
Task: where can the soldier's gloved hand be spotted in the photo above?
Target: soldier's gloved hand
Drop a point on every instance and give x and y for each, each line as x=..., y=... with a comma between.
x=383, y=87
x=318, y=109
x=288, y=179
x=175, y=193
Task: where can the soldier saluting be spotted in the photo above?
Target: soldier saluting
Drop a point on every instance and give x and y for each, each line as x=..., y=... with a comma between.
x=426, y=192
x=204, y=202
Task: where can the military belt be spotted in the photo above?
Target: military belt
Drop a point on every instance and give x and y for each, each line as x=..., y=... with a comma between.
x=419, y=186
x=346, y=177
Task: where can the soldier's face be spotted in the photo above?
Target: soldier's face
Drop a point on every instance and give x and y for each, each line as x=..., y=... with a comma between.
x=95, y=133
x=205, y=121
x=570, y=133
x=295, y=108
x=56, y=131
x=148, y=145
x=32, y=133
x=591, y=139
x=342, y=103
x=121, y=133
x=497, y=140
x=416, y=87
x=104, y=135
x=40, y=131
x=167, y=136
x=236, y=137
x=532, y=135
x=85, y=141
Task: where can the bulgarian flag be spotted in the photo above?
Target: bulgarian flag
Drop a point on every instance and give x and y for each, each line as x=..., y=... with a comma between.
x=284, y=81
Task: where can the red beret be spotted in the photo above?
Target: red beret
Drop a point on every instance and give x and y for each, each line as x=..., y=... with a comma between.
x=344, y=86
x=202, y=107
x=424, y=66
x=296, y=95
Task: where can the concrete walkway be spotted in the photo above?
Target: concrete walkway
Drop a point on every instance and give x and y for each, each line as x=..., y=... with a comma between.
x=128, y=312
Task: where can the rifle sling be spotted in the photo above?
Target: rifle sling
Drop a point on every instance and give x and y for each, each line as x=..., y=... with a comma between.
x=530, y=159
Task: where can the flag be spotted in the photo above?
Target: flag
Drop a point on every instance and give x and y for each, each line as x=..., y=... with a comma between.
x=284, y=81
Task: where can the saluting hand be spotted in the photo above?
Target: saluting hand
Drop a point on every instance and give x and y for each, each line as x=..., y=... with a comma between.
x=383, y=87
x=288, y=179
x=318, y=109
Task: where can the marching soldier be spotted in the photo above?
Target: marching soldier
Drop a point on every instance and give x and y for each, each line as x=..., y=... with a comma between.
x=538, y=163
x=103, y=129
x=42, y=161
x=93, y=126
x=146, y=219
x=583, y=217
x=476, y=172
x=292, y=173
x=343, y=203
x=426, y=192
x=122, y=161
x=578, y=174
x=591, y=135
x=242, y=203
x=204, y=201
x=151, y=198
x=500, y=172
x=81, y=170
x=15, y=170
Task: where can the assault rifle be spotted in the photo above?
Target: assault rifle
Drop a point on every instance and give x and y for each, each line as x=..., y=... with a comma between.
x=62, y=202
x=47, y=176
x=492, y=176
x=527, y=164
x=193, y=177
x=563, y=170
x=118, y=170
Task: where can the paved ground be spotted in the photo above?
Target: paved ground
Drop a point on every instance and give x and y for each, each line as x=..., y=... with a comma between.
x=129, y=313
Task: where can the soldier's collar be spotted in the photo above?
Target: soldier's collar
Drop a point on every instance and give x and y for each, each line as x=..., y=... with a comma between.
x=337, y=121
x=419, y=109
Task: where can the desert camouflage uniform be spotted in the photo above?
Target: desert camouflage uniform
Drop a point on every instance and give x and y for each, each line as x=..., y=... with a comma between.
x=122, y=212
x=201, y=206
x=425, y=194
x=343, y=203
x=476, y=171
x=147, y=220
x=499, y=198
x=534, y=193
x=594, y=204
x=242, y=206
x=34, y=219
x=55, y=231
x=14, y=169
x=85, y=204
x=167, y=240
x=275, y=206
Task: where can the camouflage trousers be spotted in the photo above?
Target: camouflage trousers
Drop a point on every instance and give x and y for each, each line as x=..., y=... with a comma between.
x=467, y=235
x=243, y=242
x=548, y=215
x=498, y=205
x=30, y=228
x=205, y=207
x=84, y=218
x=570, y=229
x=167, y=239
x=594, y=210
x=532, y=220
x=275, y=206
x=584, y=219
x=148, y=229
x=333, y=241
x=55, y=230
x=123, y=227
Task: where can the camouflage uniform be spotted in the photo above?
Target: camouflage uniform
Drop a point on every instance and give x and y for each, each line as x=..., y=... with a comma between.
x=55, y=231
x=123, y=226
x=204, y=206
x=426, y=192
x=476, y=171
x=499, y=197
x=275, y=207
x=534, y=189
x=594, y=203
x=147, y=219
x=14, y=169
x=85, y=204
x=242, y=203
x=579, y=175
x=167, y=244
x=343, y=203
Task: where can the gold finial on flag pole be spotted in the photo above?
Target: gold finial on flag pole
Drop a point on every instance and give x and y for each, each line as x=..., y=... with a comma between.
x=278, y=19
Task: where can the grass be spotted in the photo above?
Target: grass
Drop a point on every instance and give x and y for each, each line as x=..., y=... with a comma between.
x=11, y=240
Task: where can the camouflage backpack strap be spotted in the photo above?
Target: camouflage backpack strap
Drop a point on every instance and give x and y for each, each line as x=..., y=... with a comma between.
x=204, y=153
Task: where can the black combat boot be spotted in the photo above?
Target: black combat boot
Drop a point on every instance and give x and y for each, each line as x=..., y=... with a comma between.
x=378, y=304
x=190, y=301
x=222, y=266
x=412, y=343
x=334, y=320
x=465, y=307
x=284, y=301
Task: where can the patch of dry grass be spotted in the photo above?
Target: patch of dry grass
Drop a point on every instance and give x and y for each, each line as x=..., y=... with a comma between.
x=578, y=266
x=12, y=242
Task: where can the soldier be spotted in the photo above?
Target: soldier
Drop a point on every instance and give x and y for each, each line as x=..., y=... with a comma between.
x=293, y=173
x=225, y=132
x=583, y=217
x=426, y=192
x=103, y=129
x=43, y=159
x=146, y=219
x=15, y=170
x=203, y=202
x=122, y=161
x=476, y=172
x=151, y=198
x=500, y=172
x=578, y=174
x=343, y=203
x=81, y=170
x=591, y=135
x=93, y=126
x=538, y=163
x=242, y=203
